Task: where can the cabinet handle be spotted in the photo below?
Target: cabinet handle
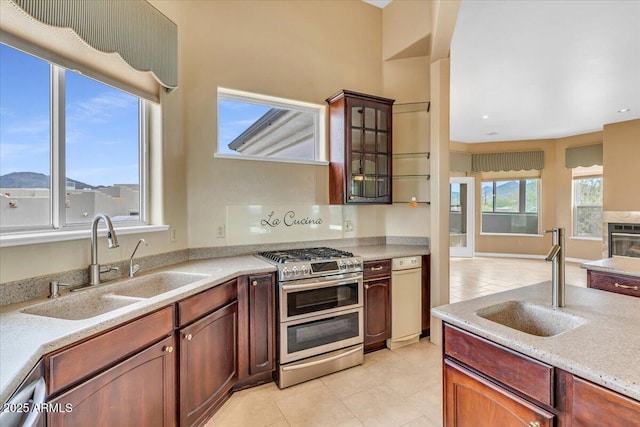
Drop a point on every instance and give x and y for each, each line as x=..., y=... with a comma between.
x=254, y=283
x=618, y=285
x=167, y=348
x=376, y=268
x=366, y=286
x=534, y=424
x=188, y=337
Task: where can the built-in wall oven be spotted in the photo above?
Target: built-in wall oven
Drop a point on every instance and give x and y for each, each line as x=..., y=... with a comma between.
x=624, y=240
x=320, y=315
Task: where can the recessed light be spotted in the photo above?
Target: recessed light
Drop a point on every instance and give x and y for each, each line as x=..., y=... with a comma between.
x=624, y=110
x=492, y=133
x=485, y=117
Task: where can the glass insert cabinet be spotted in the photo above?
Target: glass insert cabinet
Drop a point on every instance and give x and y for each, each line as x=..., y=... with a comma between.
x=360, y=148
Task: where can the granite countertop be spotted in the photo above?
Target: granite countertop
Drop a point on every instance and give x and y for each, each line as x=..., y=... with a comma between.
x=605, y=349
x=617, y=265
x=376, y=252
x=25, y=338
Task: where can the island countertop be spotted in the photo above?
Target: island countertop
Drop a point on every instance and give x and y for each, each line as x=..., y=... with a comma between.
x=615, y=265
x=604, y=350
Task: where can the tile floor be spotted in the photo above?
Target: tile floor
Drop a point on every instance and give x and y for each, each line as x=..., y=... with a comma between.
x=392, y=388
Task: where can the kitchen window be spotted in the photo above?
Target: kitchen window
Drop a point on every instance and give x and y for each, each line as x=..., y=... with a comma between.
x=71, y=147
x=510, y=206
x=587, y=207
x=258, y=127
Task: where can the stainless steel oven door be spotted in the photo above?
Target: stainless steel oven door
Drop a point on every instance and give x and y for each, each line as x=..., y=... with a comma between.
x=320, y=334
x=310, y=297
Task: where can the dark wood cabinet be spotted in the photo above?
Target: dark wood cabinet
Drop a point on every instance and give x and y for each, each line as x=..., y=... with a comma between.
x=618, y=283
x=471, y=400
x=377, y=304
x=596, y=406
x=139, y=391
x=256, y=320
x=360, y=148
x=426, y=295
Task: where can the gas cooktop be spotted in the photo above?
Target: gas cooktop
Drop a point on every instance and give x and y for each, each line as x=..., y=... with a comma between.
x=304, y=263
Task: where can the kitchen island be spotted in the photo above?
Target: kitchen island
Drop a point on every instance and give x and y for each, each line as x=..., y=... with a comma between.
x=591, y=344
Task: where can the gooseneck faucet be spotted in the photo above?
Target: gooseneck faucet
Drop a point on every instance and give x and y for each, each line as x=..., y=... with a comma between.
x=94, y=268
x=556, y=256
x=133, y=268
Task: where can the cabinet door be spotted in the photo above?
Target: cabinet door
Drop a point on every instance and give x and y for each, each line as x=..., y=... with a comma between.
x=261, y=324
x=208, y=363
x=139, y=391
x=596, y=406
x=377, y=311
x=472, y=401
x=426, y=295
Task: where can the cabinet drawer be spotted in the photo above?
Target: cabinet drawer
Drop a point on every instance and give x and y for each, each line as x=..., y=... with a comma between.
x=617, y=283
x=79, y=361
x=373, y=269
x=516, y=371
x=200, y=304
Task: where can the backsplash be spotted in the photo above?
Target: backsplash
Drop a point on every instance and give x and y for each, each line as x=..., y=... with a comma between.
x=38, y=287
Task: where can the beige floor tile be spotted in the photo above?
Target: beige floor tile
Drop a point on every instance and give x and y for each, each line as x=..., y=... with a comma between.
x=254, y=408
x=350, y=381
x=315, y=406
x=423, y=422
x=381, y=407
x=428, y=402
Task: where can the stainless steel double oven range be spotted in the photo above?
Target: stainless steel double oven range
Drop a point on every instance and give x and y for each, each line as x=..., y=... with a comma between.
x=320, y=314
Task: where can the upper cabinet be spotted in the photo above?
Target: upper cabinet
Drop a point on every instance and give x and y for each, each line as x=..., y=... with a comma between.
x=360, y=148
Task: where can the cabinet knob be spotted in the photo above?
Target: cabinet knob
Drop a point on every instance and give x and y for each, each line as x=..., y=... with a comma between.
x=254, y=283
x=366, y=286
x=534, y=424
x=167, y=348
x=188, y=337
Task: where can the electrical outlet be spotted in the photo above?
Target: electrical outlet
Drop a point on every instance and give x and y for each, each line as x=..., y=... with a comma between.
x=220, y=231
x=348, y=225
x=173, y=235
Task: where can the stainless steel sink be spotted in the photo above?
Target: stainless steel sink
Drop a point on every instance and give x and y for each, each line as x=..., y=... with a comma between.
x=533, y=319
x=78, y=307
x=156, y=284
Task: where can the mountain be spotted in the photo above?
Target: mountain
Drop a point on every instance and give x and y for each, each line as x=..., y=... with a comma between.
x=34, y=180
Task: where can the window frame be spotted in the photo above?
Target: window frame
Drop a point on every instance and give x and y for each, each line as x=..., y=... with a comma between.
x=574, y=205
x=11, y=236
x=319, y=118
x=522, y=204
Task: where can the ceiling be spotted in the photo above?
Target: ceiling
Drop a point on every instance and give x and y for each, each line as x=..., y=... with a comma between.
x=543, y=69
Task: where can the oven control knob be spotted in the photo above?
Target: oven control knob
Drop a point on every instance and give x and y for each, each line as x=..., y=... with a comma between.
x=356, y=264
x=341, y=265
x=286, y=272
x=295, y=271
x=349, y=264
x=305, y=270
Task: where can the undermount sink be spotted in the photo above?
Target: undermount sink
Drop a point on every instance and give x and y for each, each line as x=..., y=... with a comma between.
x=80, y=307
x=533, y=319
x=156, y=284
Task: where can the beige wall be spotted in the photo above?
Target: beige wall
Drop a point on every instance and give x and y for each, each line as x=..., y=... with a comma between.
x=621, y=164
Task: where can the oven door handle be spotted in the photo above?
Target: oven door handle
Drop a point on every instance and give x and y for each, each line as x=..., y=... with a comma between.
x=319, y=283
x=321, y=361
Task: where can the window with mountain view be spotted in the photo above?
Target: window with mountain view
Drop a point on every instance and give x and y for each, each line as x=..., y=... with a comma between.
x=587, y=207
x=510, y=206
x=70, y=147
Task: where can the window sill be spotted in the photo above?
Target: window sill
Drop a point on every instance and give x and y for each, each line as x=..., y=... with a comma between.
x=590, y=239
x=20, y=239
x=512, y=234
x=265, y=159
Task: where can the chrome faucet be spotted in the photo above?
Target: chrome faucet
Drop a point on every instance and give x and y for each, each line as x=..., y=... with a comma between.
x=556, y=256
x=94, y=268
x=133, y=269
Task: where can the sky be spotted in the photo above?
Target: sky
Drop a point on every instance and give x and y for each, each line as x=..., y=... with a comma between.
x=101, y=124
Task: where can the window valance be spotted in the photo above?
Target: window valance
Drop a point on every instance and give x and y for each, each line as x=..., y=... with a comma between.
x=460, y=162
x=142, y=36
x=586, y=155
x=515, y=161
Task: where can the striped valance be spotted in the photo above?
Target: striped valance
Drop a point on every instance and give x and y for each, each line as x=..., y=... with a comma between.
x=460, y=162
x=586, y=155
x=516, y=161
x=145, y=38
